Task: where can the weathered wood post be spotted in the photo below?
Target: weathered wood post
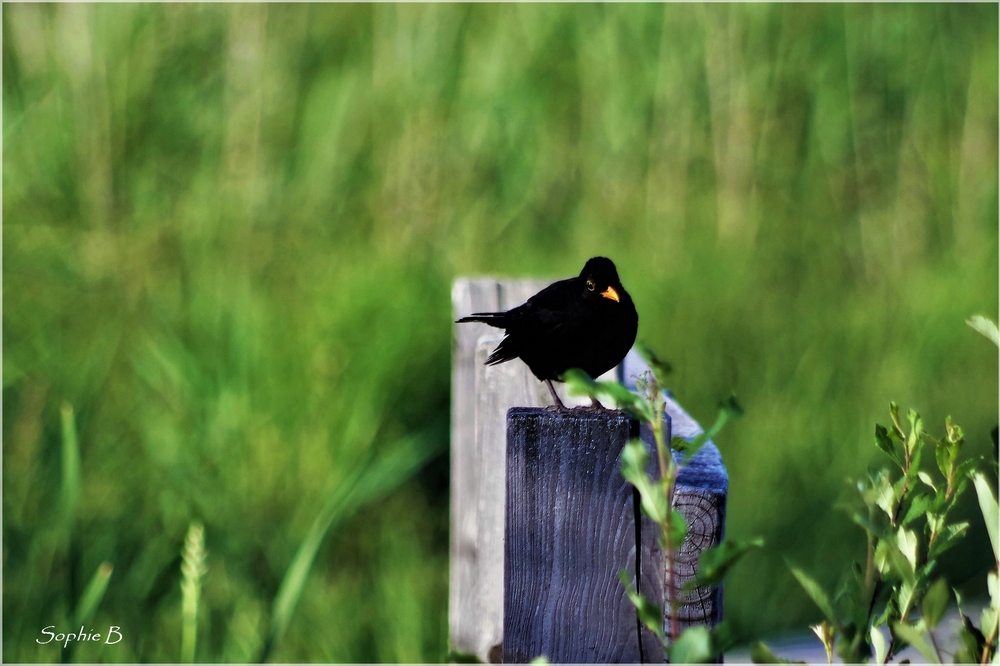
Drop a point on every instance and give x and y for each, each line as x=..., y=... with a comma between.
x=572, y=523
x=481, y=397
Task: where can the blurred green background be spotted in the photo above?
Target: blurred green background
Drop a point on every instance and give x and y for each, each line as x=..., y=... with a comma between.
x=230, y=233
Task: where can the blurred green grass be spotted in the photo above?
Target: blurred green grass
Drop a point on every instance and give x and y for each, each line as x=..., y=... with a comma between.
x=230, y=233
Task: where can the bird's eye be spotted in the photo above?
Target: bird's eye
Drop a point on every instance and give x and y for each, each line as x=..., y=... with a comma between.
x=590, y=285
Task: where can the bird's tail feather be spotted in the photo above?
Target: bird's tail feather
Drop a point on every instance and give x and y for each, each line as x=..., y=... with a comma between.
x=495, y=319
x=504, y=351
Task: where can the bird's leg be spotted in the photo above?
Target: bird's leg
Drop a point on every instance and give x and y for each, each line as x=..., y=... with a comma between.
x=555, y=396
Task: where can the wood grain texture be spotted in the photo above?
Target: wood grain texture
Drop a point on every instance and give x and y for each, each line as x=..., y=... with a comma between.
x=570, y=527
x=468, y=295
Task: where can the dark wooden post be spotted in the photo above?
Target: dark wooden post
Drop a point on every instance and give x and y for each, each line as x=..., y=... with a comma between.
x=571, y=524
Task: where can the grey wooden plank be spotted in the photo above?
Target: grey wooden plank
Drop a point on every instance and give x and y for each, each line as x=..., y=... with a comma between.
x=468, y=295
x=481, y=396
x=570, y=526
x=498, y=388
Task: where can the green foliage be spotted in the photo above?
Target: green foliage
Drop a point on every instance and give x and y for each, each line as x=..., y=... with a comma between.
x=693, y=647
x=907, y=529
x=816, y=593
x=579, y=383
x=914, y=635
x=935, y=602
x=988, y=505
x=653, y=499
x=729, y=410
x=650, y=614
x=715, y=563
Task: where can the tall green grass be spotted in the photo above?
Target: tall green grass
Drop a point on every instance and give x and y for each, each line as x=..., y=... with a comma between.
x=230, y=233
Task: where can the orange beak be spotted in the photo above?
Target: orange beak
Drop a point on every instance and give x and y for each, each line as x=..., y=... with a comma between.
x=611, y=294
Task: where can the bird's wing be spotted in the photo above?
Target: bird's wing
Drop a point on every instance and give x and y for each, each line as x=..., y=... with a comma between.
x=547, y=303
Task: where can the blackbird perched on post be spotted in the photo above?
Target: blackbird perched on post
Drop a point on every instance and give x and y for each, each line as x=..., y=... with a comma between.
x=587, y=322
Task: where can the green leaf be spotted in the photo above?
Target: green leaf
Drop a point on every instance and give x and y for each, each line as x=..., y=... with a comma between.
x=866, y=524
x=761, y=654
x=885, y=494
x=988, y=505
x=731, y=407
x=928, y=480
x=660, y=367
x=648, y=612
x=817, y=593
x=985, y=326
x=964, y=469
x=917, y=508
x=880, y=645
x=906, y=540
x=652, y=496
x=943, y=458
x=991, y=612
x=92, y=594
x=889, y=559
x=993, y=587
x=714, y=563
x=723, y=639
x=988, y=622
x=916, y=454
x=914, y=637
x=679, y=443
x=678, y=529
x=951, y=535
x=729, y=410
x=916, y=430
x=954, y=433
x=693, y=647
x=897, y=429
x=884, y=442
x=972, y=642
x=935, y=602
x=541, y=659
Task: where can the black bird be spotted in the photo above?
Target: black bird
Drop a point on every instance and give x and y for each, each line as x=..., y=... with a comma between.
x=587, y=322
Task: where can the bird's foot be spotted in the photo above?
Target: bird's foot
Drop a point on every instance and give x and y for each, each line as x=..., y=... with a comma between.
x=596, y=406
